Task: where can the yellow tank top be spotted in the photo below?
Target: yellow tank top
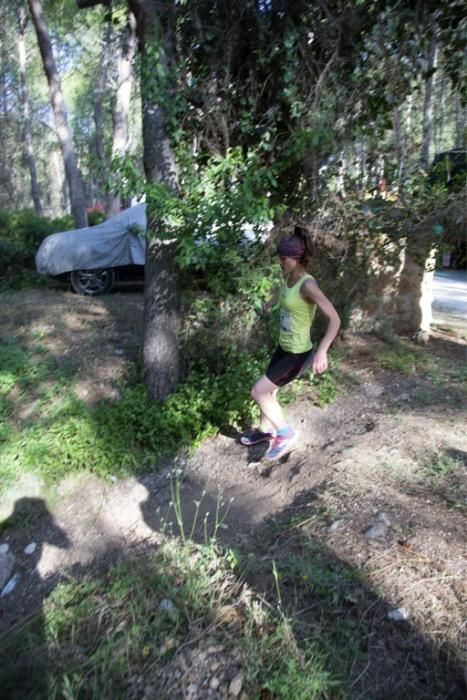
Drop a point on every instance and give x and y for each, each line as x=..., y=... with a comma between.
x=296, y=318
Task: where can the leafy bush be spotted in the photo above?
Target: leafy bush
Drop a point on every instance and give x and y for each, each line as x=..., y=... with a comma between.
x=21, y=233
x=120, y=436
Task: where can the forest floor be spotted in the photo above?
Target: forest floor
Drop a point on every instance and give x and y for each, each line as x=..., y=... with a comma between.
x=375, y=493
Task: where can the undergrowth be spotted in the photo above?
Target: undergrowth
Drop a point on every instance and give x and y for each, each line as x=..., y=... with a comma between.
x=63, y=435
x=109, y=636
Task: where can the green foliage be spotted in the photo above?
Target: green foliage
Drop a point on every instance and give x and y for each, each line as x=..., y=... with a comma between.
x=21, y=233
x=95, y=637
x=327, y=389
x=398, y=360
x=64, y=435
x=442, y=466
x=96, y=634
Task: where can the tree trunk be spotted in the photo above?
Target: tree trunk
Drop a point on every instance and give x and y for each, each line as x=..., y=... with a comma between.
x=101, y=83
x=122, y=103
x=73, y=176
x=460, y=123
x=161, y=296
x=29, y=150
x=428, y=107
x=399, y=137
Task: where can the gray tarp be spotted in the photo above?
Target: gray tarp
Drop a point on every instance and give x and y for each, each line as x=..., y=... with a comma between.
x=110, y=244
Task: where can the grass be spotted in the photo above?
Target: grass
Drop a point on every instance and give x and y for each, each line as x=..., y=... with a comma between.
x=445, y=475
x=95, y=636
x=45, y=428
x=398, y=360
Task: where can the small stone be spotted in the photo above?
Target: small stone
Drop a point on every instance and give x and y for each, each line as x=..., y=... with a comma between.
x=236, y=684
x=166, y=604
x=375, y=531
x=373, y=390
x=379, y=528
x=384, y=518
x=336, y=524
x=214, y=683
x=254, y=465
x=11, y=585
x=215, y=649
x=191, y=692
x=119, y=351
x=31, y=548
x=398, y=615
x=4, y=548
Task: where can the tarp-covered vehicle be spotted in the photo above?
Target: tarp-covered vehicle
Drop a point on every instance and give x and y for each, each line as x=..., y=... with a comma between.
x=94, y=258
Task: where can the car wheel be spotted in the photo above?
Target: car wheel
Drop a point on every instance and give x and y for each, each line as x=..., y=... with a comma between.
x=92, y=282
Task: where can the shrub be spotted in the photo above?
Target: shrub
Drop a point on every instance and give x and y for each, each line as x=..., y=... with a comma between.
x=21, y=234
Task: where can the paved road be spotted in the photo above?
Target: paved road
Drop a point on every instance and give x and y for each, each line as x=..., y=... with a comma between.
x=450, y=292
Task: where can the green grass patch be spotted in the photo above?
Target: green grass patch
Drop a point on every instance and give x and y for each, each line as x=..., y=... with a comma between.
x=442, y=466
x=445, y=475
x=115, y=437
x=398, y=360
x=94, y=637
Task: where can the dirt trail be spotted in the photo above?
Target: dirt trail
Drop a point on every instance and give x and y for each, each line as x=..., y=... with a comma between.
x=360, y=459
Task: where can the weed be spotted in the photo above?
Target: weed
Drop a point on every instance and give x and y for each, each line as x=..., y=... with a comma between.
x=398, y=360
x=442, y=466
x=446, y=476
x=187, y=532
x=278, y=665
x=95, y=636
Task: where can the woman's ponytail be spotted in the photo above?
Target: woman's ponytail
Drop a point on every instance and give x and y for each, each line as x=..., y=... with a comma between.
x=301, y=234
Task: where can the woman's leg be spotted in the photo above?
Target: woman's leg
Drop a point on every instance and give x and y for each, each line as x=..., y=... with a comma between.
x=264, y=393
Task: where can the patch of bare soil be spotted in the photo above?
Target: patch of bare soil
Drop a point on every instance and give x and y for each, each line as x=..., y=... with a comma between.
x=376, y=485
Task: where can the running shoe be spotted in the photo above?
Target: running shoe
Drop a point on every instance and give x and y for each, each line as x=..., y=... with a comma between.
x=280, y=446
x=254, y=436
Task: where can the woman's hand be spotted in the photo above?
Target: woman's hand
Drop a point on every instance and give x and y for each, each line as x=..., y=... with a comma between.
x=320, y=362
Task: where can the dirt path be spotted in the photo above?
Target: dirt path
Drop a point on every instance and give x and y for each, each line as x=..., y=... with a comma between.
x=388, y=454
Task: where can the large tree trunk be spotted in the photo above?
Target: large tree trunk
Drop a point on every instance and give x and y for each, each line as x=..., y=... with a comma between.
x=161, y=297
x=29, y=150
x=73, y=176
x=122, y=101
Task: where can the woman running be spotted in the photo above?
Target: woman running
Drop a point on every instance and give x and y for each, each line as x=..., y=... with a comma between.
x=298, y=299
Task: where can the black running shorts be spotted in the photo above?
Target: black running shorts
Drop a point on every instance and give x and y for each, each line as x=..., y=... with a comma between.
x=285, y=366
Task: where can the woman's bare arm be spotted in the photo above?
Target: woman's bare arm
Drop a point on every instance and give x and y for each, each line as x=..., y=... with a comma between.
x=311, y=291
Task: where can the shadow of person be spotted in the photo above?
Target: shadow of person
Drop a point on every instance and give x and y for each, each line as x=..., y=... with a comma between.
x=23, y=675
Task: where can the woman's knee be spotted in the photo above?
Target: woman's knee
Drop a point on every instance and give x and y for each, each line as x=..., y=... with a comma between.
x=259, y=391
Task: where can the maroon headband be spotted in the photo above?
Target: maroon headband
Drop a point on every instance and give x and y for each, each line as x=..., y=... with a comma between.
x=290, y=248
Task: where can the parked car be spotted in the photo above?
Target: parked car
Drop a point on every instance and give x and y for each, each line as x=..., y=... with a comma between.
x=93, y=259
